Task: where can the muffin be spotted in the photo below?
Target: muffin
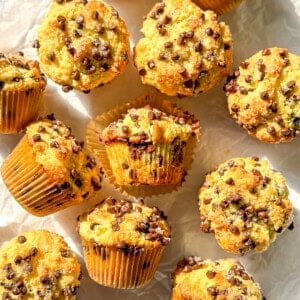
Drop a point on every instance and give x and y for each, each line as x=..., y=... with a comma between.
x=82, y=44
x=148, y=144
x=196, y=278
x=264, y=93
x=21, y=88
x=219, y=6
x=49, y=170
x=123, y=242
x=245, y=204
x=185, y=50
x=38, y=265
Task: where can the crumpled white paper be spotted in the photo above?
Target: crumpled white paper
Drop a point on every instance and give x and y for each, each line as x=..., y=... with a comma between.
x=255, y=25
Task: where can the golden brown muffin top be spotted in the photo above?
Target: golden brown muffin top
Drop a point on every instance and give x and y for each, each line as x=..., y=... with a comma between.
x=64, y=158
x=38, y=265
x=264, y=95
x=198, y=279
x=20, y=74
x=150, y=125
x=245, y=204
x=125, y=225
x=185, y=50
x=82, y=44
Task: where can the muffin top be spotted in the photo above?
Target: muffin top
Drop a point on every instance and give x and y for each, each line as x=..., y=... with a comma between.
x=18, y=73
x=245, y=204
x=264, y=95
x=38, y=265
x=125, y=225
x=195, y=278
x=64, y=158
x=82, y=44
x=150, y=125
x=185, y=50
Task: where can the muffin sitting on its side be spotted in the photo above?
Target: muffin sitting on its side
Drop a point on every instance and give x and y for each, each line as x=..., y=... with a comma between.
x=245, y=204
x=185, y=50
x=264, y=95
x=21, y=88
x=123, y=242
x=82, y=44
x=38, y=265
x=49, y=170
x=196, y=278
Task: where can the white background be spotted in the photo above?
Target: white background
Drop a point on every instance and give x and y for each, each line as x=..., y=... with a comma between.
x=255, y=25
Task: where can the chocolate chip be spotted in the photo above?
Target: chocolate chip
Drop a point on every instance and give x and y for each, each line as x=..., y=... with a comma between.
x=67, y=88
x=21, y=239
x=33, y=251
x=36, y=137
x=142, y=72
x=271, y=130
x=36, y=44
x=2, y=83
x=266, y=52
x=209, y=31
x=175, y=56
x=168, y=44
x=65, y=253
x=151, y=64
x=264, y=95
x=189, y=84
x=54, y=144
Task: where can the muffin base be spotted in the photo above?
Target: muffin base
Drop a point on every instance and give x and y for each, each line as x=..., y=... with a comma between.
x=18, y=109
x=115, y=268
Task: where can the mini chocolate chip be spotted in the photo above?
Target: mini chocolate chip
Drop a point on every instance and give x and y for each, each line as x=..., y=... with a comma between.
x=51, y=56
x=271, y=130
x=36, y=137
x=142, y=72
x=264, y=95
x=291, y=226
x=230, y=181
x=33, y=251
x=67, y=88
x=210, y=274
x=64, y=252
x=18, y=259
x=2, y=83
x=175, y=56
x=266, y=52
x=168, y=44
x=212, y=291
x=21, y=239
x=36, y=44
x=198, y=46
x=209, y=31
x=189, y=84
x=95, y=15
x=54, y=144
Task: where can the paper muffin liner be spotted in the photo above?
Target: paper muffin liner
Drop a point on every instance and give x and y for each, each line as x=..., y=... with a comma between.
x=30, y=185
x=116, y=268
x=219, y=6
x=19, y=108
x=167, y=179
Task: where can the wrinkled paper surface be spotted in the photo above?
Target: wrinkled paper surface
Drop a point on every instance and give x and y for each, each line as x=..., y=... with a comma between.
x=255, y=25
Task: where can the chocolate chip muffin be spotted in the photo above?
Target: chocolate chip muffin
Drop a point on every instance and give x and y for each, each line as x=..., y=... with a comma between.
x=49, y=169
x=185, y=50
x=82, y=44
x=196, y=278
x=147, y=149
x=264, y=95
x=21, y=88
x=123, y=242
x=245, y=204
x=219, y=6
x=38, y=265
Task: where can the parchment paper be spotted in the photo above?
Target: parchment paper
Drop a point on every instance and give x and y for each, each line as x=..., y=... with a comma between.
x=255, y=25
